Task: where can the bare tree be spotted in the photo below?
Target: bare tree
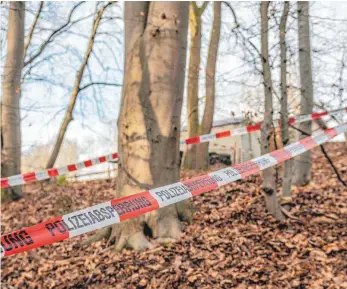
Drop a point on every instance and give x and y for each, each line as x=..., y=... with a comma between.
x=202, y=159
x=10, y=115
x=302, y=164
x=195, y=13
x=287, y=174
x=269, y=185
x=149, y=121
x=76, y=88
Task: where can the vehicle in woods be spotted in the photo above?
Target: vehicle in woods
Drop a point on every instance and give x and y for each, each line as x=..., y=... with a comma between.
x=215, y=158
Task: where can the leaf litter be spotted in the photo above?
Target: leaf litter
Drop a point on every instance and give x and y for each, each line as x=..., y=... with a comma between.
x=232, y=242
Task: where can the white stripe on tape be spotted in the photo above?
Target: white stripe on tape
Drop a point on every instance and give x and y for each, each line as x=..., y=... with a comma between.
x=42, y=175
x=225, y=176
x=207, y=137
x=341, y=128
x=320, y=138
x=80, y=165
x=317, y=132
x=171, y=194
x=239, y=131
x=90, y=219
x=63, y=170
x=303, y=118
x=95, y=161
x=295, y=149
x=265, y=161
x=16, y=180
x=109, y=158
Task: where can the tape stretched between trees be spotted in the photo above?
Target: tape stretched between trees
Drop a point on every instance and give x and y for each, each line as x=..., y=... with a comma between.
x=21, y=179
x=256, y=127
x=118, y=210
x=54, y=172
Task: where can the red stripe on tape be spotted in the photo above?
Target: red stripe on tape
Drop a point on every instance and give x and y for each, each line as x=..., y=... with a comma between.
x=114, y=155
x=255, y=127
x=36, y=236
x=4, y=183
x=102, y=159
x=223, y=134
x=201, y=184
x=247, y=168
x=308, y=143
x=53, y=172
x=134, y=205
x=291, y=120
x=281, y=155
x=88, y=163
x=29, y=177
x=193, y=140
x=72, y=168
x=319, y=114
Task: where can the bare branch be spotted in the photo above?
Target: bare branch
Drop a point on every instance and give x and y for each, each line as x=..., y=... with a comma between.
x=99, y=83
x=54, y=34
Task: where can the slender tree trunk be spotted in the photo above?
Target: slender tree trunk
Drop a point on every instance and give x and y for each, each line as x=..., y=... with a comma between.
x=75, y=91
x=302, y=172
x=269, y=184
x=202, y=158
x=10, y=114
x=189, y=158
x=149, y=121
x=32, y=29
x=287, y=174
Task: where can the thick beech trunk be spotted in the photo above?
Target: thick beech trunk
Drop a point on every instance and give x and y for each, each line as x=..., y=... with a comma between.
x=149, y=121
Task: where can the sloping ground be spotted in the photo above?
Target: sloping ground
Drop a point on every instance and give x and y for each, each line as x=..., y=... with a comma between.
x=232, y=243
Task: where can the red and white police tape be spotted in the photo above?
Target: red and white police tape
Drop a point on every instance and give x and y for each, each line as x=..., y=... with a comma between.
x=118, y=210
x=255, y=127
x=54, y=172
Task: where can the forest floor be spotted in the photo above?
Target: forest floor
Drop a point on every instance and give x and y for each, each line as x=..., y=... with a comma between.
x=232, y=242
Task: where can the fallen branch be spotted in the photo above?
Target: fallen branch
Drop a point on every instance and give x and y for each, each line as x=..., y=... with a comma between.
x=325, y=154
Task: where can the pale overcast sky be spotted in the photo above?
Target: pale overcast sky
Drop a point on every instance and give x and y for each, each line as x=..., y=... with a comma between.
x=44, y=103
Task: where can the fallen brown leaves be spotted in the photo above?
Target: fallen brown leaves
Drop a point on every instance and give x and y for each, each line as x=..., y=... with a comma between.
x=232, y=242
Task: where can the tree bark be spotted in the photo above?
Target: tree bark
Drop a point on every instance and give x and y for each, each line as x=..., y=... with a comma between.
x=269, y=183
x=202, y=158
x=149, y=121
x=75, y=91
x=10, y=114
x=189, y=158
x=287, y=174
x=302, y=163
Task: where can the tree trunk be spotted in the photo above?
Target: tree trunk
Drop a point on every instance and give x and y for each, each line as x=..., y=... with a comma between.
x=269, y=183
x=202, y=158
x=10, y=114
x=75, y=91
x=189, y=158
x=287, y=174
x=302, y=170
x=149, y=121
